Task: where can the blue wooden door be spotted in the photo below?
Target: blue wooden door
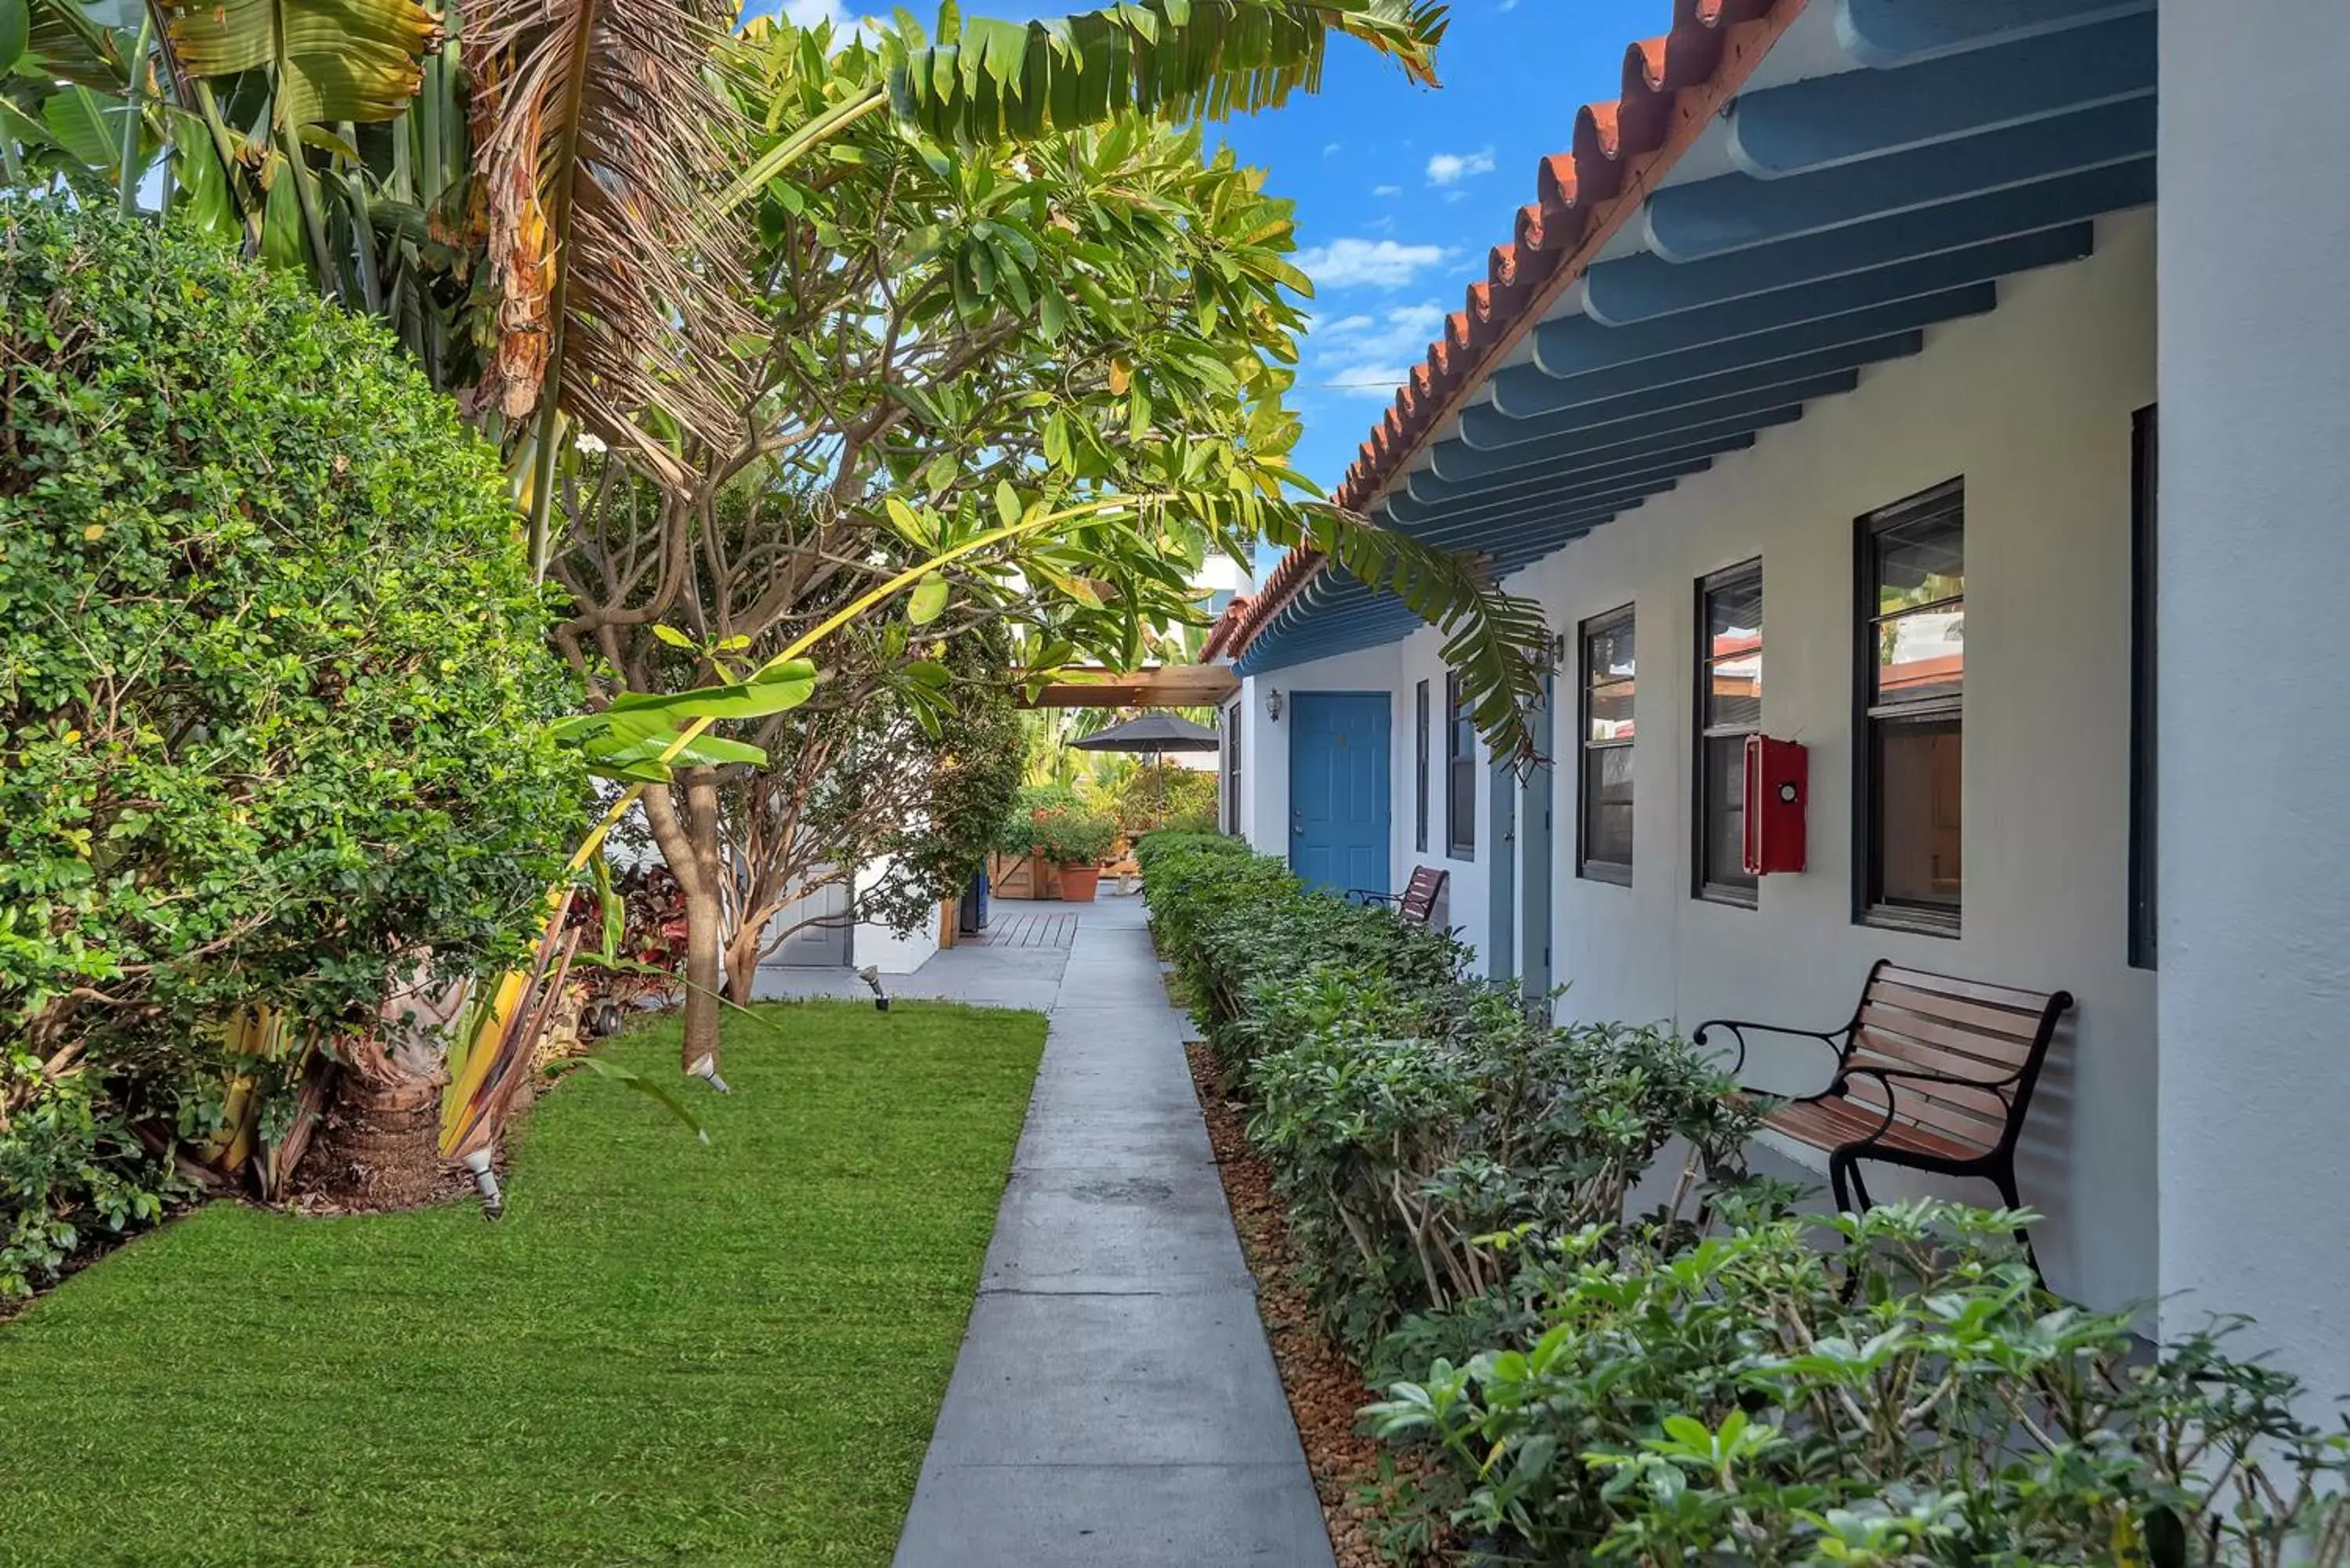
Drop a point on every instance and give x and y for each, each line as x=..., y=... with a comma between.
x=1339, y=783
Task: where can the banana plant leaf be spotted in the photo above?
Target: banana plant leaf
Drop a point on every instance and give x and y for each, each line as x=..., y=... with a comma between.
x=359, y=60
x=638, y=739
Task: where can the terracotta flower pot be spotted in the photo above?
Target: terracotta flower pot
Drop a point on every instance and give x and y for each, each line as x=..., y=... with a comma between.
x=1078, y=882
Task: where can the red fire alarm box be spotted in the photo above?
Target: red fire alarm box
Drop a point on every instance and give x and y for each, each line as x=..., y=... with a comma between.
x=1778, y=781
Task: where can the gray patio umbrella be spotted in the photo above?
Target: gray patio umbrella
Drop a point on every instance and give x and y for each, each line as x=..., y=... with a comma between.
x=1156, y=734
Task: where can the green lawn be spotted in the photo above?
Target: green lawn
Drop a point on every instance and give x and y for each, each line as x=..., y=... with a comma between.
x=666, y=1353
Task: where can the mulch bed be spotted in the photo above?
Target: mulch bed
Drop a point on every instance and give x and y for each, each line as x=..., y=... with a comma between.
x=1324, y=1387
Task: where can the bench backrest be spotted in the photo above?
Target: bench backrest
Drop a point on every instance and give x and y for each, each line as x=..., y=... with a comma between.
x=1991, y=1038
x=1420, y=894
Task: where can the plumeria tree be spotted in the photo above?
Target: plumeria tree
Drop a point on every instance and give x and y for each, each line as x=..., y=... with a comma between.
x=779, y=332
x=937, y=345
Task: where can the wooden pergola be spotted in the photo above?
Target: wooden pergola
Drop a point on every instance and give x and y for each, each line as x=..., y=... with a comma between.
x=1159, y=686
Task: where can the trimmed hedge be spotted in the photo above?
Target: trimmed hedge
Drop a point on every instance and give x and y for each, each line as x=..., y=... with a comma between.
x=1418, y=1120
x=1895, y=1389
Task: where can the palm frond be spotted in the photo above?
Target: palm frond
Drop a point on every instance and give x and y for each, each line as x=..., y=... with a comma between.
x=1498, y=641
x=599, y=136
x=984, y=80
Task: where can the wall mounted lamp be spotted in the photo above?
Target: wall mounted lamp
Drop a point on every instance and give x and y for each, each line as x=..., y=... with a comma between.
x=1272, y=704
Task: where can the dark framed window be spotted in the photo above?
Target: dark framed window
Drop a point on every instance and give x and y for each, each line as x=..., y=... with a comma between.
x=2145, y=468
x=1419, y=762
x=1602, y=834
x=1232, y=769
x=1729, y=708
x=1459, y=772
x=1908, y=707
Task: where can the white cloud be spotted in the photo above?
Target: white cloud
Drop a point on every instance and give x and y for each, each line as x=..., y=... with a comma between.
x=1508, y=6
x=1386, y=190
x=1376, y=263
x=1403, y=333
x=1366, y=355
x=1451, y=168
x=809, y=13
x=1373, y=383
x=1330, y=147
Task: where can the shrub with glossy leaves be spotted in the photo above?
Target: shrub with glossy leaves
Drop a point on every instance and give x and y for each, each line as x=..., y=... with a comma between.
x=273, y=676
x=1417, y=1122
x=1910, y=1396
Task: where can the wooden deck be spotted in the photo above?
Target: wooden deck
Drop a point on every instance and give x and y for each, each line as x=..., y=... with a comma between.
x=1027, y=929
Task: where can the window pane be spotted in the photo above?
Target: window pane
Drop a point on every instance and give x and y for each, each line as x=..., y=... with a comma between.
x=1607, y=653
x=1734, y=614
x=1921, y=562
x=1611, y=712
x=1419, y=756
x=1460, y=805
x=1921, y=656
x=1733, y=696
x=1723, y=825
x=1607, y=806
x=1915, y=790
x=1733, y=654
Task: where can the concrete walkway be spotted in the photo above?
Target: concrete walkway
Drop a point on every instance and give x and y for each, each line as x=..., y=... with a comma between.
x=982, y=975
x=1115, y=1404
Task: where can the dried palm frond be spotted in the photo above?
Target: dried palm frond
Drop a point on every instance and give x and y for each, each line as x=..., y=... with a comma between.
x=600, y=133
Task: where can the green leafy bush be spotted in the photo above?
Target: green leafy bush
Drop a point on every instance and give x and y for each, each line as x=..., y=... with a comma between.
x=1017, y=834
x=1056, y=823
x=1073, y=838
x=1658, y=1391
x=1416, y=1121
x=273, y=686
x=1164, y=796
x=1911, y=1396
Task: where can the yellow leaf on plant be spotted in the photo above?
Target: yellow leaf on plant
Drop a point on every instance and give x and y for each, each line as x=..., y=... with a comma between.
x=95, y=531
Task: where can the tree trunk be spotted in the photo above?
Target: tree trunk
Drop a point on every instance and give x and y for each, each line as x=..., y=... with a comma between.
x=743, y=962
x=381, y=1145
x=689, y=843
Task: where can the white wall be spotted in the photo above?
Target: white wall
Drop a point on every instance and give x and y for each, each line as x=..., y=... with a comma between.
x=2032, y=404
x=1393, y=668
x=2254, y=554
x=875, y=943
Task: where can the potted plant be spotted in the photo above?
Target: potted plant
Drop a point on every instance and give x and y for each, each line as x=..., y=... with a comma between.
x=1021, y=869
x=1074, y=841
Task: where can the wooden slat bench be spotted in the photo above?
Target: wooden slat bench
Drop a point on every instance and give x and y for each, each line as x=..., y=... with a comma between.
x=1416, y=902
x=1932, y=1073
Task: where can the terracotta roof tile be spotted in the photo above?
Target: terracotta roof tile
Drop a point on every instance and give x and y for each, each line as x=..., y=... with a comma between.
x=1552, y=238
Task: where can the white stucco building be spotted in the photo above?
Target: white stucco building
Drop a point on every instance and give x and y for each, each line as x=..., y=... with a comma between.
x=1818, y=398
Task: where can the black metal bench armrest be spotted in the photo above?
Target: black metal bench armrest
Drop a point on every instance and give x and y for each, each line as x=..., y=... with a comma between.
x=1834, y=1039
x=1364, y=896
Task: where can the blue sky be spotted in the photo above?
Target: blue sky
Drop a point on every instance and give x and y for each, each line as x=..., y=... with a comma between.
x=1400, y=192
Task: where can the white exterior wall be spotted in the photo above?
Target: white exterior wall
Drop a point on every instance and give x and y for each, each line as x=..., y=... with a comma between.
x=1393, y=668
x=2255, y=554
x=875, y=943
x=2032, y=404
